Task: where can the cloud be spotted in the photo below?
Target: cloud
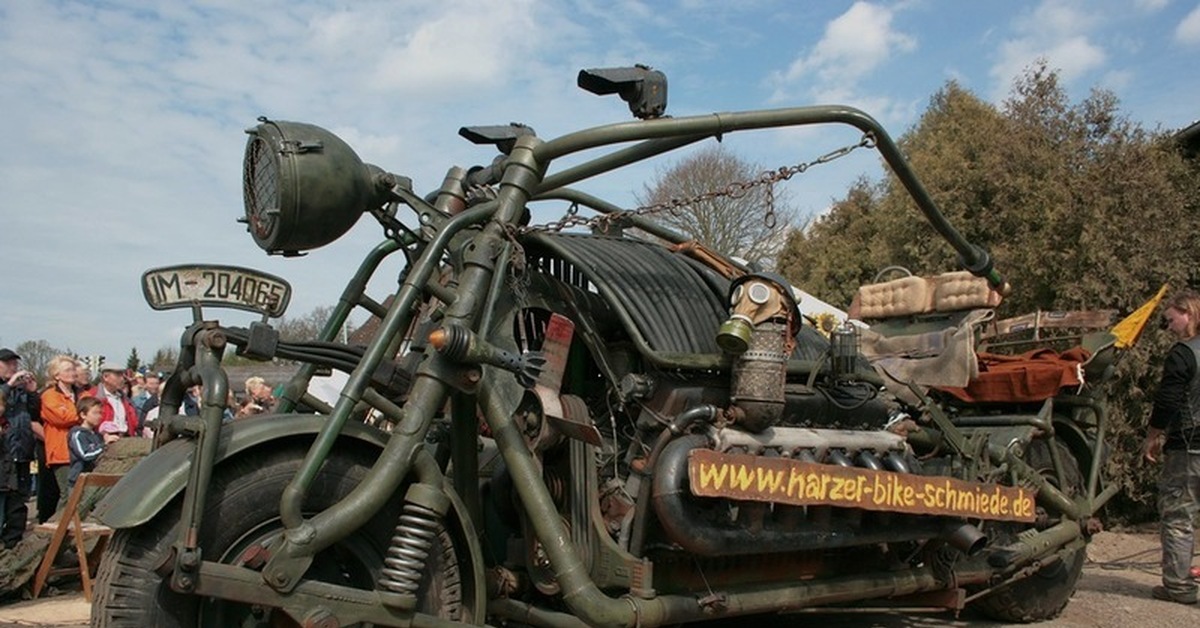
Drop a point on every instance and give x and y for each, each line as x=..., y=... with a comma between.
x=854, y=44
x=1188, y=31
x=1151, y=5
x=1055, y=31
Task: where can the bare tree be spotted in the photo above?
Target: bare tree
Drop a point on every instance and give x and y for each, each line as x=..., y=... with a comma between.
x=36, y=355
x=305, y=327
x=731, y=224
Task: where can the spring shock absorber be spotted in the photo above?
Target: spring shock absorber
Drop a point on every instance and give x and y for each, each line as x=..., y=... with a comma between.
x=413, y=539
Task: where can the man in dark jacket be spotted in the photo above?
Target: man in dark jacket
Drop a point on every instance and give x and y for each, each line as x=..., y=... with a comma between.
x=19, y=388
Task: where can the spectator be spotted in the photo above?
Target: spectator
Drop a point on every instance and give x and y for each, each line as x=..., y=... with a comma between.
x=19, y=388
x=120, y=417
x=147, y=409
x=59, y=415
x=148, y=399
x=8, y=474
x=84, y=443
x=83, y=377
x=191, y=401
x=1174, y=435
x=259, y=399
x=231, y=402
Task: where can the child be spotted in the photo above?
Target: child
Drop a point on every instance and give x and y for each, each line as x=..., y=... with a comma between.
x=85, y=443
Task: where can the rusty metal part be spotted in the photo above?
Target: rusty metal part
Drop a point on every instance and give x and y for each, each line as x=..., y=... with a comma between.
x=576, y=421
x=556, y=346
x=817, y=440
x=254, y=557
x=320, y=618
x=502, y=582
x=759, y=375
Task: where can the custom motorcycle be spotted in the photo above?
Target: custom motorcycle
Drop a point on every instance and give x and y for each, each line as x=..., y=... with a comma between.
x=594, y=421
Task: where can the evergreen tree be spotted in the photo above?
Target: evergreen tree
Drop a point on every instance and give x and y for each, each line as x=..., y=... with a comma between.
x=1080, y=208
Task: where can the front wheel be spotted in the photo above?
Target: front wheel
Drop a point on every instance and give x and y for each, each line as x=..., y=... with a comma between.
x=241, y=514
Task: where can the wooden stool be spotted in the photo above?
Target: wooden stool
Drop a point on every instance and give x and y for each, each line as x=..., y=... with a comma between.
x=70, y=523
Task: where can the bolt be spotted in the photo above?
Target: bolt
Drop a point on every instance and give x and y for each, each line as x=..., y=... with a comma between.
x=189, y=561
x=279, y=578
x=473, y=376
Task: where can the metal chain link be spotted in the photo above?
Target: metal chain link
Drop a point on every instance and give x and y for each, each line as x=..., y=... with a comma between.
x=519, y=282
x=769, y=178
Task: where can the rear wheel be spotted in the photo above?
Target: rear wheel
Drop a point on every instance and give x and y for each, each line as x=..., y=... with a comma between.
x=241, y=514
x=1044, y=594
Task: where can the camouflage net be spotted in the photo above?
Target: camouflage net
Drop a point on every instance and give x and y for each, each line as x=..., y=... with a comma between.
x=18, y=565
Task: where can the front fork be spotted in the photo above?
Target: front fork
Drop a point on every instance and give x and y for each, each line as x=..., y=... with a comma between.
x=202, y=347
x=435, y=379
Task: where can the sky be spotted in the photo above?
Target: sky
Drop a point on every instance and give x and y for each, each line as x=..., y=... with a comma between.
x=125, y=118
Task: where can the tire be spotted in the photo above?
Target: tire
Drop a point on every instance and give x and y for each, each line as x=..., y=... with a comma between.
x=1044, y=594
x=242, y=512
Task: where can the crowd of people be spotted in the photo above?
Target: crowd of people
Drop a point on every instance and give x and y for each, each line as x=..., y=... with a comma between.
x=54, y=429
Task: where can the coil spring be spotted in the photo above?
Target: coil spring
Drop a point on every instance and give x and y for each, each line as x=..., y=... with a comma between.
x=410, y=544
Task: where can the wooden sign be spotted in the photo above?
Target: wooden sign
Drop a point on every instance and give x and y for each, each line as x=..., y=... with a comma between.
x=788, y=481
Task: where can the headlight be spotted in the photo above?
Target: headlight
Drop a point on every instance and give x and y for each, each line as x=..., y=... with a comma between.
x=303, y=186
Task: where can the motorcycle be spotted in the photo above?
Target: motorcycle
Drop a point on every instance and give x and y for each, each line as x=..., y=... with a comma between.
x=595, y=421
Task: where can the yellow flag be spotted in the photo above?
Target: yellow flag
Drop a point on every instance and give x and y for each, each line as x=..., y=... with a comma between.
x=1128, y=330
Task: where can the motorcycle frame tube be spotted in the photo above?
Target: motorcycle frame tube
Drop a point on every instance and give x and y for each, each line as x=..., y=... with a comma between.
x=424, y=400
x=972, y=257
x=1100, y=411
x=616, y=159
x=1047, y=494
x=351, y=296
x=303, y=539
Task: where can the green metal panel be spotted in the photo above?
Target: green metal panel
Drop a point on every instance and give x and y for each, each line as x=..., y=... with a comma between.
x=158, y=478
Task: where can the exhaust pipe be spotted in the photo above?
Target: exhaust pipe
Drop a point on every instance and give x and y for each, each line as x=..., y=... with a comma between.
x=965, y=538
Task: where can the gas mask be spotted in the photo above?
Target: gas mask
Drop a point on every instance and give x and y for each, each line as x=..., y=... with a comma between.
x=760, y=333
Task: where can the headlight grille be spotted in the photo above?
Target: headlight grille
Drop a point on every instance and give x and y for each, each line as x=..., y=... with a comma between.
x=261, y=187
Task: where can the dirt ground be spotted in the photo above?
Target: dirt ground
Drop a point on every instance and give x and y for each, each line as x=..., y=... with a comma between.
x=1114, y=592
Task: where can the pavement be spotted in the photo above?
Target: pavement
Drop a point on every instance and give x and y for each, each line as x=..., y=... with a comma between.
x=1114, y=592
x=69, y=610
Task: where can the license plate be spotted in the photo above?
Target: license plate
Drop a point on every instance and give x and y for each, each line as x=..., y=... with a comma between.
x=220, y=286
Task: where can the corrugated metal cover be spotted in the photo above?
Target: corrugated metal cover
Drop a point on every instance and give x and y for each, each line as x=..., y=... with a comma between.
x=675, y=309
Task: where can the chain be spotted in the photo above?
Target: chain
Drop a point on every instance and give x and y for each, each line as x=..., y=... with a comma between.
x=518, y=281
x=603, y=222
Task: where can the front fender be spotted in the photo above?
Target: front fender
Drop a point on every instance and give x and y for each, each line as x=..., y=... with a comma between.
x=160, y=476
